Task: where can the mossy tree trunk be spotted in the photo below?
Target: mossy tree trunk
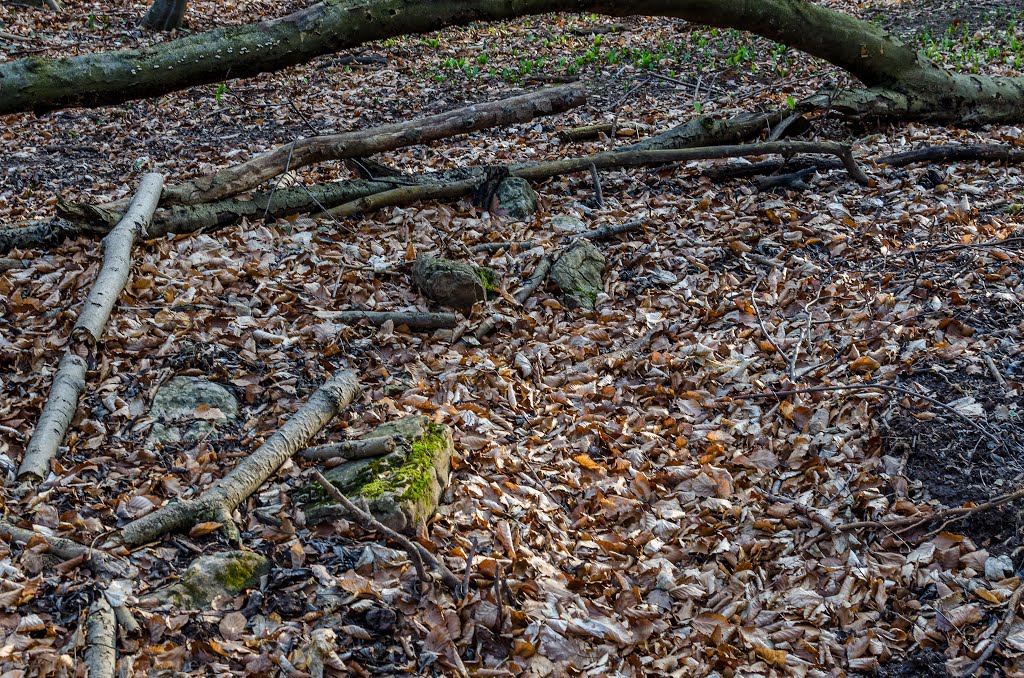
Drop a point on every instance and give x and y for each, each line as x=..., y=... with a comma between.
x=900, y=82
x=165, y=15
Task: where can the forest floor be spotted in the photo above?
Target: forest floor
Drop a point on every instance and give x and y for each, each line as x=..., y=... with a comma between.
x=648, y=519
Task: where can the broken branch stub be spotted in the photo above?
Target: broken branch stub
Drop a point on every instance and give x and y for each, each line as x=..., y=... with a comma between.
x=219, y=501
x=69, y=381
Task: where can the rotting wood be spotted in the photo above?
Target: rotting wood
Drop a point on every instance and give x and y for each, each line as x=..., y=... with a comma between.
x=100, y=639
x=69, y=381
x=362, y=448
x=219, y=501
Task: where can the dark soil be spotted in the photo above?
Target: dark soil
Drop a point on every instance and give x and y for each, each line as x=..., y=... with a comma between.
x=950, y=461
x=922, y=665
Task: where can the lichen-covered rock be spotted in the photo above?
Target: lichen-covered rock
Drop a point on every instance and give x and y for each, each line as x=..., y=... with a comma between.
x=563, y=223
x=189, y=408
x=516, y=197
x=219, y=574
x=578, y=273
x=453, y=283
x=401, y=489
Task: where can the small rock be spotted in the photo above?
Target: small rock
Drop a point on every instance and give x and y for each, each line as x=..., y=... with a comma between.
x=567, y=224
x=998, y=568
x=453, y=283
x=516, y=197
x=402, y=489
x=578, y=272
x=189, y=408
x=227, y=573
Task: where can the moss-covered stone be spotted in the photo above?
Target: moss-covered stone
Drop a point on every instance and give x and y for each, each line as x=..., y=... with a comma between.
x=219, y=574
x=453, y=283
x=177, y=403
x=578, y=272
x=401, y=489
x=517, y=198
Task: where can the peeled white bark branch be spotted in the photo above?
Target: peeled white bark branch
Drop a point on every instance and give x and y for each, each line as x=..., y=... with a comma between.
x=219, y=501
x=100, y=639
x=69, y=382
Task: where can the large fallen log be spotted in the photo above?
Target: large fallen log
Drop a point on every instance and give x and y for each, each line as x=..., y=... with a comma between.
x=219, y=501
x=69, y=382
x=900, y=82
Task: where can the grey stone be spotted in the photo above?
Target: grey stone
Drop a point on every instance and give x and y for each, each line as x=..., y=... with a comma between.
x=517, y=198
x=566, y=224
x=219, y=574
x=452, y=283
x=578, y=273
x=176, y=404
x=402, y=489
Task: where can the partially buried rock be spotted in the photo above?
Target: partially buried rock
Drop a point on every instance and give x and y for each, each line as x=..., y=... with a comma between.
x=516, y=197
x=402, y=489
x=453, y=283
x=578, y=272
x=220, y=574
x=190, y=408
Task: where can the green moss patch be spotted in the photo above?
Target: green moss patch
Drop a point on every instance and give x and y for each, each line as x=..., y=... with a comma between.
x=401, y=489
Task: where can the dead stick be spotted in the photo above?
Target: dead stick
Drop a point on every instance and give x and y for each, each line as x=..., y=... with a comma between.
x=881, y=387
x=595, y=177
x=219, y=501
x=953, y=152
x=521, y=295
x=411, y=319
x=69, y=549
x=351, y=449
x=1005, y=625
x=417, y=554
x=69, y=381
x=100, y=639
x=407, y=195
x=957, y=512
x=364, y=143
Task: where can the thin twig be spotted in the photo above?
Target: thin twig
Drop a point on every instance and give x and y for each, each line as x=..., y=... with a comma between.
x=417, y=553
x=881, y=387
x=1005, y=625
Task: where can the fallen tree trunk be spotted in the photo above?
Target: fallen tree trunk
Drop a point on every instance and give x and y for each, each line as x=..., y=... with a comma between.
x=219, y=501
x=69, y=382
x=901, y=83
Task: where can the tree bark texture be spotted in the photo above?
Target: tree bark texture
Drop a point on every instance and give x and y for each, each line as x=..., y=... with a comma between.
x=100, y=640
x=165, y=15
x=223, y=497
x=901, y=82
x=69, y=382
